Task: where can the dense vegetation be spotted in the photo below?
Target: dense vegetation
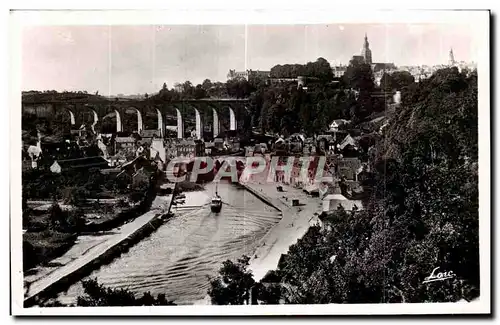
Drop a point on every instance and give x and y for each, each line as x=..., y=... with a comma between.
x=423, y=213
x=73, y=186
x=98, y=295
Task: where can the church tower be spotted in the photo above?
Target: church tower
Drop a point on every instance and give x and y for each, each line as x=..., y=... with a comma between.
x=451, y=60
x=366, y=53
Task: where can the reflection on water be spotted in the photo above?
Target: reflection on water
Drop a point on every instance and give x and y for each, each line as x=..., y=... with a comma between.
x=181, y=255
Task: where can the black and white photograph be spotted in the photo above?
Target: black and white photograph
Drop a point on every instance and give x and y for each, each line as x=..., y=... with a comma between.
x=250, y=163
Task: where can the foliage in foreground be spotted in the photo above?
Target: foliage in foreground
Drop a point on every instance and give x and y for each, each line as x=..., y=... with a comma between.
x=233, y=285
x=98, y=295
x=423, y=214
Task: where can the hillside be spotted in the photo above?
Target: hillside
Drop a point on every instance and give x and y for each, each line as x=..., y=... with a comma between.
x=422, y=216
x=440, y=111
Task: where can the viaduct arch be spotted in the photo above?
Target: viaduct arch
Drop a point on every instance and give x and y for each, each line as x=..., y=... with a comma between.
x=214, y=109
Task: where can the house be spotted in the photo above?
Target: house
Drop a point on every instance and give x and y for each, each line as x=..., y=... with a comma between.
x=209, y=148
x=347, y=140
x=80, y=133
x=126, y=146
x=148, y=135
x=296, y=141
x=233, y=144
x=116, y=160
x=249, y=151
x=261, y=148
x=348, y=168
x=248, y=74
x=309, y=147
x=190, y=148
x=157, y=148
x=338, y=71
x=60, y=150
x=87, y=163
x=334, y=126
x=280, y=146
x=349, y=145
x=130, y=168
x=155, y=157
x=170, y=149
x=363, y=173
x=34, y=153
x=325, y=142
x=219, y=144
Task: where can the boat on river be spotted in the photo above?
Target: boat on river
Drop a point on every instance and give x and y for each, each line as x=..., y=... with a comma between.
x=216, y=204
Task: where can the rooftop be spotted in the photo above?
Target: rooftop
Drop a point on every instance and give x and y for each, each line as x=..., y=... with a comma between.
x=150, y=133
x=124, y=139
x=96, y=161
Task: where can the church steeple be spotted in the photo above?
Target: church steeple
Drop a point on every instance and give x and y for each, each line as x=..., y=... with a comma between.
x=451, y=60
x=366, y=52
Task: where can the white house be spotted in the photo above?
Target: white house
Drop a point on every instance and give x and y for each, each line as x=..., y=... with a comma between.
x=157, y=146
x=348, y=140
x=334, y=126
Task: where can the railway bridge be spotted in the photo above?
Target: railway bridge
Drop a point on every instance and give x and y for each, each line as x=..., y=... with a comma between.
x=206, y=112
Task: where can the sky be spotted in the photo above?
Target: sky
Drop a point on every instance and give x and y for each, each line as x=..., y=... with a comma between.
x=139, y=59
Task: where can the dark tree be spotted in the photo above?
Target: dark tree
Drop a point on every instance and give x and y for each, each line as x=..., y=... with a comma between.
x=233, y=285
x=359, y=76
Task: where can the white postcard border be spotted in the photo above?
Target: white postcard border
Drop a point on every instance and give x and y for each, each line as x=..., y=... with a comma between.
x=479, y=20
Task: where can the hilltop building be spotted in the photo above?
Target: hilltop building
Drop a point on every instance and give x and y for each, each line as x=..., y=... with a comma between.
x=366, y=53
x=366, y=58
x=338, y=71
x=248, y=74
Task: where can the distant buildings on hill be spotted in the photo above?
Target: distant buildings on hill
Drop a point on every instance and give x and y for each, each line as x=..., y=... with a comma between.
x=248, y=74
x=419, y=72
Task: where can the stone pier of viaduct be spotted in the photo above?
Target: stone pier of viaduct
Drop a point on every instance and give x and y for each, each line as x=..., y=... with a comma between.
x=204, y=111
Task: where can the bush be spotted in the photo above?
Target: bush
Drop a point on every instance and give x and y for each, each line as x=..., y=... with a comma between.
x=98, y=295
x=233, y=285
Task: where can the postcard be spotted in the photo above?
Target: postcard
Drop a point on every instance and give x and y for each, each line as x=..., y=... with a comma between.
x=250, y=163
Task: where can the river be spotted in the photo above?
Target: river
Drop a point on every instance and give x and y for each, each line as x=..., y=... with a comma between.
x=181, y=256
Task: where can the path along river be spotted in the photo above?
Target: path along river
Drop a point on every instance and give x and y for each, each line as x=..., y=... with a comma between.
x=182, y=254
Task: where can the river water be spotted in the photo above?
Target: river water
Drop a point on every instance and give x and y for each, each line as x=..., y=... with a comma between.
x=181, y=256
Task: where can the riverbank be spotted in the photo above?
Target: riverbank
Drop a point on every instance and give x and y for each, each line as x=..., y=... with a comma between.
x=42, y=246
x=180, y=256
x=187, y=186
x=92, y=251
x=293, y=225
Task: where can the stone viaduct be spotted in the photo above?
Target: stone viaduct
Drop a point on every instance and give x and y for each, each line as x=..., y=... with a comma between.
x=204, y=111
